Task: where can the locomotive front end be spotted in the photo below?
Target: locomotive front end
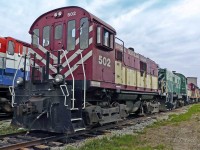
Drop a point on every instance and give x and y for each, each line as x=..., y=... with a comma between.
x=42, y=103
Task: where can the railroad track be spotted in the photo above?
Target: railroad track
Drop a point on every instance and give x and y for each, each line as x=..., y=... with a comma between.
x=36, y=138
x=44, y=140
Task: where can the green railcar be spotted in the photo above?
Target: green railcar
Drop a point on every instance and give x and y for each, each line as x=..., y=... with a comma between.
x=169, y=82
x=170, y=85
x=183, y=85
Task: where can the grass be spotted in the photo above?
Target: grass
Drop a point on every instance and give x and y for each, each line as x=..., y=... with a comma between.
x=135, y=142
x=176, y=119
x=6, y=128
x=126, y=142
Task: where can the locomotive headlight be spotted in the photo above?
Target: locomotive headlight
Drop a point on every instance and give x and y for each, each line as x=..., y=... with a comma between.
x=58, y=78
x=59, y=13
x=20, y=81
x=55, y=14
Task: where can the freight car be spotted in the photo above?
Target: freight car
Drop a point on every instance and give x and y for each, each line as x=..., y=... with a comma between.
x=81, y=77
x=193, y=93
x=11, y=51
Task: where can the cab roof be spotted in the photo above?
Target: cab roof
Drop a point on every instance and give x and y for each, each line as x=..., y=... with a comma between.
x=92, y=17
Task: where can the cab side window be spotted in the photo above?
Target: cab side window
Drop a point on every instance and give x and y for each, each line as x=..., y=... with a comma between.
x=11, y=48
x=71, y=33
x=84, y=33
x=46, y=36
x=58, y=32
x=105, y=38
x=35, y=37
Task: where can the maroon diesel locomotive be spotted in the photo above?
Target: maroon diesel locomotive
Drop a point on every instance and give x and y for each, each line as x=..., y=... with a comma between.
x=80, y=76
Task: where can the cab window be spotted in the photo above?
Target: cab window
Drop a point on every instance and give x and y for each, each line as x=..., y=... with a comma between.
x=71, y=32
x=46, y=36
x=98, y=35
x=11, y=48
x=105, y=38
x=58, y=32
x=84, y=33
x=35, y=37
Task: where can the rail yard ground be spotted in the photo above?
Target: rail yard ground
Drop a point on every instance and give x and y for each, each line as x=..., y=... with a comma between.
x=176, y=130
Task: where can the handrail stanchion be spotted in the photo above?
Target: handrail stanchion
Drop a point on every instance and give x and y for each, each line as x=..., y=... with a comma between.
x=73, y=84
x=12, y=88
x=84, y=96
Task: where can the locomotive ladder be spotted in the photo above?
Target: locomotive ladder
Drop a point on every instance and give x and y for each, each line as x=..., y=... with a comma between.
x=73, y=84
x=76, y=113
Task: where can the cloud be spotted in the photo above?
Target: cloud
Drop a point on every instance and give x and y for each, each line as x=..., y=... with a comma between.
x=17, y=17
x=169, y=35
x=165, y=31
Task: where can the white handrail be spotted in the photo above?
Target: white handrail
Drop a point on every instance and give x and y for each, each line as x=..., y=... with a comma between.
x=12, y=88
x=73, y=84
x=64, y=93
x=84, y=96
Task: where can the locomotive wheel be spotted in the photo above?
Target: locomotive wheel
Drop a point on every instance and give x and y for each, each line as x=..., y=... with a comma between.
x=7, y=108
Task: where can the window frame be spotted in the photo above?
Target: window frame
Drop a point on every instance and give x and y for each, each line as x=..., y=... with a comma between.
x=11, y=51
x=49, y=36
x=81, y=42
x=73, y=38
x=57, y=31
x=34, y=37
x=100, y=38
x=98, y=34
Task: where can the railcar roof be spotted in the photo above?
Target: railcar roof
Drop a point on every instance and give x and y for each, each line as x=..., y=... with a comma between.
x=22, y=42
x=93, y=17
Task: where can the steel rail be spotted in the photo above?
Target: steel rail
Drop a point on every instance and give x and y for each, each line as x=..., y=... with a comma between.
x=57, y=137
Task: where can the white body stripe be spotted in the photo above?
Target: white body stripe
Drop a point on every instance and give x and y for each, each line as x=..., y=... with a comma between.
x=90, y=41
x=44, y=62
x=77, y=41
x=72, y=57
x=88, y=55
x=90, y=28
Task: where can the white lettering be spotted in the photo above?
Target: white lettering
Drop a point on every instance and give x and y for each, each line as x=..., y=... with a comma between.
x=104, y=61
x=71, y=14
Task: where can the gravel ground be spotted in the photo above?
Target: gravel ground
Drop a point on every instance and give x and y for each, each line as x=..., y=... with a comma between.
x=131, y=129
x=184, y=136
x=177, y=136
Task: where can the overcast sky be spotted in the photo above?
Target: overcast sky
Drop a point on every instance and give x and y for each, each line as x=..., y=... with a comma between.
x=167, y=31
